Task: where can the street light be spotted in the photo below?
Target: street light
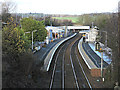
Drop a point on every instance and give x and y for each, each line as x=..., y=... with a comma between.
x=101, y=62
x=100, y=50
x=26, y=32
x=32, y=38
x=97, y=46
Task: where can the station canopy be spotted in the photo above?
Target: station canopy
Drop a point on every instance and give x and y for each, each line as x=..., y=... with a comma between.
x=79, y=27
x=54, y=29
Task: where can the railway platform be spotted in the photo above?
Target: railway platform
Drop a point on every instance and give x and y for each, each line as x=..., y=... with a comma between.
x=43, y=52
x=50, y=54
x=92, y=60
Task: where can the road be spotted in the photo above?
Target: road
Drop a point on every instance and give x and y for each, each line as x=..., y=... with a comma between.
x=66, y=69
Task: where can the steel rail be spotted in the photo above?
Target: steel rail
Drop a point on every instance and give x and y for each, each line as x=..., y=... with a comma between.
x=83, y=71
x=51, y=83
x=76, y=81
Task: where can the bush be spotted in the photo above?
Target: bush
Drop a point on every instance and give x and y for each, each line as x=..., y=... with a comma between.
x=17, y=58
x=16, y=75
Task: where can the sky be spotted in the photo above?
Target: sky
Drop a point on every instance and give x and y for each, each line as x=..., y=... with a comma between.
x=74, y=7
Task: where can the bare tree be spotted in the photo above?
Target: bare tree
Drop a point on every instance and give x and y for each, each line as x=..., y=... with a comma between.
x=7, y=8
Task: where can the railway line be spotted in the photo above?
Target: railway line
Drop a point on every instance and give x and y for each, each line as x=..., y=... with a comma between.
x=66, y=70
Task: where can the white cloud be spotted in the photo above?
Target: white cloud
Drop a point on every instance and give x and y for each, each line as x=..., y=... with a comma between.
x=66, y=6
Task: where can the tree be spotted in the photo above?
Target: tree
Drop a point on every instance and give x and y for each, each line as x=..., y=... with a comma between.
x=109, y=23
x=47, y=21
x=7, y=8
x=13, y=37
x=85, y=19
x=17, y=58
x=29, y=25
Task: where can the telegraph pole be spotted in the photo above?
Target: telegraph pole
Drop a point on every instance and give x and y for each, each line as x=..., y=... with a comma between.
x=101, y=64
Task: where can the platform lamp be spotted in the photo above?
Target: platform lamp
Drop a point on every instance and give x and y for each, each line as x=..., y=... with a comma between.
x=97, y=46
x=101, y=50
x=83, y=37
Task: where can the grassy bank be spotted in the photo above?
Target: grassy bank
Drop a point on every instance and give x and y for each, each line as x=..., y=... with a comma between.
x=74, y=19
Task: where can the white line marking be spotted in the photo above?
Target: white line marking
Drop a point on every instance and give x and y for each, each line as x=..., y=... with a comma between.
x=51, y=83
x=83, y=71
x=63, y=80
x=80, y=47
x=91, y=56
x=48, y=66
x=74, y=70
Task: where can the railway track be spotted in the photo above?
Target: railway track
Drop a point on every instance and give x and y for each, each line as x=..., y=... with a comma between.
x=67, y=72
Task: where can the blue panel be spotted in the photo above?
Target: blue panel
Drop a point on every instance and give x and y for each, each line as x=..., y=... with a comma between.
x=51, y=35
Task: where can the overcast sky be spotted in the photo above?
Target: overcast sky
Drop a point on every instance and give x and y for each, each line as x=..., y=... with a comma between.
x=66, y=6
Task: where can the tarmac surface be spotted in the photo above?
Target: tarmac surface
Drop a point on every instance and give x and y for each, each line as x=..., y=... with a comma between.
x=42, y=53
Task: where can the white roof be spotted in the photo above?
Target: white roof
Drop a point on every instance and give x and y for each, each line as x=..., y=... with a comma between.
x=85, y=31
x=78, y=27
x=61, y=28
x=54, y=29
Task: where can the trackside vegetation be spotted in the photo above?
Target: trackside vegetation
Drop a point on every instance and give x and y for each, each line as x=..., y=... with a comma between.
x=18, y=62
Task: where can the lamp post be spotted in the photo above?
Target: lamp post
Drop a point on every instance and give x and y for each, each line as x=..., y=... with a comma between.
x=32, y=38
x=100, y=50
x=101, y=62
x=26, y=32
x=97, y=45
